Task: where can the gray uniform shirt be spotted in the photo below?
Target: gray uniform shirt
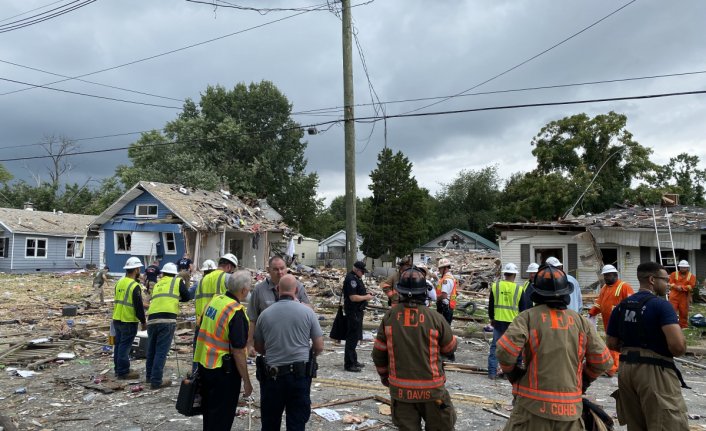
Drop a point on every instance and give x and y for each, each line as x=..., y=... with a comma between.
x=285, y=329
x=263, y=295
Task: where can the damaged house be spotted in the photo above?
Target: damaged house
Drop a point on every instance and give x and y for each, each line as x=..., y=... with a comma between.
x=163, y=221
x=36, y=241
x=623, y=237
x=455, y=239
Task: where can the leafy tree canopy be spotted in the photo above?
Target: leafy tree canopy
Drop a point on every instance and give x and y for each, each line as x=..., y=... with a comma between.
x=398, y=219
x=244, y=138
x=577, y=147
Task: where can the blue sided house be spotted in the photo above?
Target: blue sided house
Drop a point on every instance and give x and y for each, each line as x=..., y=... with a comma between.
x=157, y=221
x=42, y=241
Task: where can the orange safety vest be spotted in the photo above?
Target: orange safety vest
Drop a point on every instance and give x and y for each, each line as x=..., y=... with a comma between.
x=213, y=342
x=686, y=283
x=609, y=298
x=454, y=294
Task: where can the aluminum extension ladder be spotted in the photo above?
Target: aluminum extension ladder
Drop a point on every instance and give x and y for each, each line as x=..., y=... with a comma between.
x=665, y=242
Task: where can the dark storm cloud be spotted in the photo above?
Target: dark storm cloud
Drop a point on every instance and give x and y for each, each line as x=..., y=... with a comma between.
x=413, y=49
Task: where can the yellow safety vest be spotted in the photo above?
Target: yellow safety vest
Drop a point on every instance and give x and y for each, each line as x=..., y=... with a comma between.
x=213, y=342
x=165, y=296
x=506, y=300
x=124, y=309
x=214, y=283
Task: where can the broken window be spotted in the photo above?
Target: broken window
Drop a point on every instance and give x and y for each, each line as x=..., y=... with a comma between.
x=36, y=247
x=541, y=254
x=169, y=243
x=74, y=249
x=123, y=242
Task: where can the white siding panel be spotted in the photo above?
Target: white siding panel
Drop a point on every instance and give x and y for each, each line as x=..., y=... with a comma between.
x=646, y=238
x=144, y=243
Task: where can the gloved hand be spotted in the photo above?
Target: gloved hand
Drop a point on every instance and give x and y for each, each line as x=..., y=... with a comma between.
x=516, y=374
x=446, y=302
x=586, y=381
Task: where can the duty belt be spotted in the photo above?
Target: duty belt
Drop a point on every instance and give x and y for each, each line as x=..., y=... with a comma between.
x=298, y=368
x=633, y=357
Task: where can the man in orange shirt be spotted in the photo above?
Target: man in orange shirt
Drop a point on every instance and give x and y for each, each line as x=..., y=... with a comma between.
x=612, y=293
x=681, y=284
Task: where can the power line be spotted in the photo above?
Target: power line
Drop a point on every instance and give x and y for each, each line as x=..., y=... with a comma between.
x=35, y=19
x=336, y=110
x=378, y=118
x=31, y=10
x=152, y=57
x=261, y=11
x=522, y=63
x=90, y=95
x=36, y=69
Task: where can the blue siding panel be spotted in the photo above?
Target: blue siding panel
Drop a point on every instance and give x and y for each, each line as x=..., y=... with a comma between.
x=55, y=260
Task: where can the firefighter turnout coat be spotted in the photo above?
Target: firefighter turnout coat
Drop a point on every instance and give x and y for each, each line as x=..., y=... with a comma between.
x=408, y=349
x=554, y=344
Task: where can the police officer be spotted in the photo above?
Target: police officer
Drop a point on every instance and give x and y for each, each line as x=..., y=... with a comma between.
x=220, y=352
x=161, y=323
x=645, y=329
x=127, y=311
x=283, y=333
x=504, y=305
x=415, y=337
x=555, y=341
x=356, y=297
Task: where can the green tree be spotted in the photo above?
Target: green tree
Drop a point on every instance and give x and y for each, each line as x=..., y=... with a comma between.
x=533, y=196
x=244, y=138
x=681, y=176
x=397, y=219
x=470, y=201
x=333, y=218
x=577, y=147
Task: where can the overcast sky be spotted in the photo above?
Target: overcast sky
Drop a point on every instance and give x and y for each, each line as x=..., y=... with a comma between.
x=413, y=49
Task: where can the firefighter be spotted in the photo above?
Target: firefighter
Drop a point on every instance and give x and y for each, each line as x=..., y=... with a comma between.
x=504, y=305
x=612, y=293
x=645, y=328
x=446, y=290
x=388, y=286
x=681, y=287
x=554, y=341
x=407, y=355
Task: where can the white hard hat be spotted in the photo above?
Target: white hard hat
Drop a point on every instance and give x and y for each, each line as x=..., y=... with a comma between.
x=132, y=263
x=510, y=268
x=683, y=264
x=443, y=263
x=533, y=267
x=231, y=258
x=170, y=268
x=608, y=269
x=208, y=264
x=553, y=261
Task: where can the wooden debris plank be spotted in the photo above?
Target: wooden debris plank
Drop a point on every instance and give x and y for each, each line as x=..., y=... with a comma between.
x=339, y=402
x=496, y=412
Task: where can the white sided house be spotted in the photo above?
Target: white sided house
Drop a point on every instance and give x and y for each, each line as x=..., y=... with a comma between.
x=623, y=237
x=43, y=241
x=332, y=250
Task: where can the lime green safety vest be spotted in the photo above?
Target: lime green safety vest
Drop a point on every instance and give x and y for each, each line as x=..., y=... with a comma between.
x=165, y=296
x=214, y=283
x=124, y=309
x=213, y=342
x=506, y=297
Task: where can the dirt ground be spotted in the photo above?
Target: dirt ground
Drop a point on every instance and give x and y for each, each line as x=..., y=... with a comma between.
x=56, y=398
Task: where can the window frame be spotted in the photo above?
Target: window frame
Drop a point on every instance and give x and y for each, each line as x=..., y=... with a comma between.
x=115, y=242
x=73, y=254
x=137, y=211
x=166, y=241
x=4, y=245
x=36, y=247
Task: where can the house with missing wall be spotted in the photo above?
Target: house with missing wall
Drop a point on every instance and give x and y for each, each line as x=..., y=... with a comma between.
x=455, y=239
x=163, y=221
x=623, y=237
x=42, y=241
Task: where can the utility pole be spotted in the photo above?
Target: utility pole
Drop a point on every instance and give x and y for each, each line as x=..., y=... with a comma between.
x=349, y=131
